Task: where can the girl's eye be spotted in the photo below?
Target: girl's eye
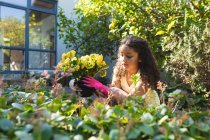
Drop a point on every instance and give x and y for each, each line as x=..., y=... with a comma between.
x=129, y=57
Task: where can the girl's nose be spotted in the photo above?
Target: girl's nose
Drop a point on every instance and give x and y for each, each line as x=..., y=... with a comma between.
x=124, y=59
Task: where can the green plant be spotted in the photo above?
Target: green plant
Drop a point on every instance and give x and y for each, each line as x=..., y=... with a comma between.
x=178, y=32
x=33, y=115
x=85, y=33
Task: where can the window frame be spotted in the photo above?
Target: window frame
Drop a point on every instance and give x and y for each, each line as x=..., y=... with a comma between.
x=26, y=49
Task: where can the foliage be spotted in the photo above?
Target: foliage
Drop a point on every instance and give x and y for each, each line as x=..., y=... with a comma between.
x=86, y=33
x=85, y=65
x=178, y=32
x=39, y=115
x=12, y=32
x=189, y=42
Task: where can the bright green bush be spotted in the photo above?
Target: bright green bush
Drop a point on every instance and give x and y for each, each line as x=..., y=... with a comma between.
x=39, y=115
x=178, y=32
x=87, y=34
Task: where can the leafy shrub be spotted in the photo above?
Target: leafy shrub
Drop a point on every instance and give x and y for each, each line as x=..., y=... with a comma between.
x=38, y=114
x=178, y=32
x=86, y=33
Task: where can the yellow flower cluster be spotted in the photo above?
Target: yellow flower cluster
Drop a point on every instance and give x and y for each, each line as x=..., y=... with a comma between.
x=85, y=65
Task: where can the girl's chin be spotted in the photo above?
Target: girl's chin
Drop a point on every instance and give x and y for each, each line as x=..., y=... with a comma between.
x=125, y=67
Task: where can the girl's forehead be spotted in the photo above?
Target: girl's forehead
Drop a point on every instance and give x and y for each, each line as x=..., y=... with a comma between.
x=126, y=49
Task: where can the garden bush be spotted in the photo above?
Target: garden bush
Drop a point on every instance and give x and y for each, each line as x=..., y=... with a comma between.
x=178, y=33
x=37, y=114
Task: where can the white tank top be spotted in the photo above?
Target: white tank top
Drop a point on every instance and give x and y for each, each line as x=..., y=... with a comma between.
x=124, y=84
x=151, y=97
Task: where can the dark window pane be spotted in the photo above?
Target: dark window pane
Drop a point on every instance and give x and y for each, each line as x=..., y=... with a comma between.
x=16, y=2
x=12, y=59
x=12, y=27
x=41, y=30
x=42, y=4
x=41, y=60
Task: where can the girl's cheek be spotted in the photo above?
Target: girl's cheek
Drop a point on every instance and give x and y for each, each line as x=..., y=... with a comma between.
x=121, y=59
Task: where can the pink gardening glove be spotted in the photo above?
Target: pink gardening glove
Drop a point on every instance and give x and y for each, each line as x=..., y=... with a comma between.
x=91, y=82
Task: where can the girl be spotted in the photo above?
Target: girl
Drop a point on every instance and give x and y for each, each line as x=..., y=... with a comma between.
x=134, y=57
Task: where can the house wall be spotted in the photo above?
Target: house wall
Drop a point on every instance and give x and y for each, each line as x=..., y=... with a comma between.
x=67, y=6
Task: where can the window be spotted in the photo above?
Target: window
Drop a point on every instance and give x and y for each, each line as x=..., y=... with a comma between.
x=41, y=30
x=16, y=2
x=27, y=35
x=42, y=4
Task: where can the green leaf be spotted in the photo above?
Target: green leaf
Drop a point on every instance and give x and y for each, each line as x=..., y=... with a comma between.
x=88, y=128
x=103, y=135
x=22, y=135
x=147, y=129
x=147, y=118
x=78, y=137
x=5, y=124
x=3, y=102
x=160, y=33
x=28, y=107
x=28, y=127
x=118, y=111
x=204, y=127
x=60, y=137
x=170, y=25
x=18, y=106
x=46, y=132
x=134, y=133
x=114, y=134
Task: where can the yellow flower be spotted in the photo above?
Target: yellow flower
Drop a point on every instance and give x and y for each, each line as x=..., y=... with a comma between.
x=64, y=57
x=59, y=65
x=74, y=59
x=99, y=59
x=103, y=73
x=103, y=64
x=90, y=64
x=76, y=68
x=84, y=60
x=41, y=93
x=68, y=55
x=93, y=56
x=72, y=53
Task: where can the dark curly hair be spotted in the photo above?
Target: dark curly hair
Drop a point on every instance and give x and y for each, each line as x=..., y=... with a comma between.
x=148, y=67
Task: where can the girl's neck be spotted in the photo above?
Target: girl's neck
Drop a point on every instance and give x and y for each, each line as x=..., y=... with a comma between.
x=131, y=72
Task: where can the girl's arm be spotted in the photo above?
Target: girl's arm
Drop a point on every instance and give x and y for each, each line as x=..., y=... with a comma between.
x=116, y=83
x=117, y=93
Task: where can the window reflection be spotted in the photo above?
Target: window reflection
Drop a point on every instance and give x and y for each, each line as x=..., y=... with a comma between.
x=12, y=27
x=43, y=60
x=41, y=30
x=42, y=4
x=16, y=2
x=12, y=59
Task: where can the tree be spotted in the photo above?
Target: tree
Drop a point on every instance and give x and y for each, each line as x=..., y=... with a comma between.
x=172, y=28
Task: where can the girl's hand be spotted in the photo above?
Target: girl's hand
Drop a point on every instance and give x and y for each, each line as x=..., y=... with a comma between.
x=91, y=82
x=118, y=94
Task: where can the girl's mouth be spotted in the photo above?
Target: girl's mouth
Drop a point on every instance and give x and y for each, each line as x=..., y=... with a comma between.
x=125, y=65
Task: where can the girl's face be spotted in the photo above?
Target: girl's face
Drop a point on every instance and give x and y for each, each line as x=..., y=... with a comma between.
x=130, y=59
